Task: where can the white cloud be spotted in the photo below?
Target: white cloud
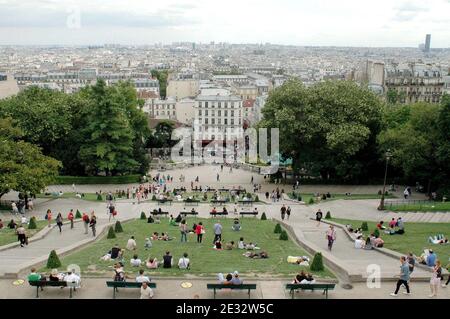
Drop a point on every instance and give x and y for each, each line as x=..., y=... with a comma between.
x=302, y=22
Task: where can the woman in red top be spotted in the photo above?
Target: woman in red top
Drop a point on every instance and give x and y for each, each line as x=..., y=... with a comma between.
x=48, y=216
x=70, y=217
x=199, y=230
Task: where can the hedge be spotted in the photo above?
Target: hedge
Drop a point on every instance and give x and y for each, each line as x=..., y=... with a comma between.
x=80, y=180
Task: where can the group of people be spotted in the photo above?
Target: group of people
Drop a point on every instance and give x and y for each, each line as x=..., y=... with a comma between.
x=396, y=226
x=72, y=278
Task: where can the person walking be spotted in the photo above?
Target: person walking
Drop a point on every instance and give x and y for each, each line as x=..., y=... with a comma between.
x=435, y=280
x=86, y=222
x=331, y=236
x=112, y=209
x=217, y=232
x=183, y=231
x=59, y=222
x=21, y=235
x=404, y=277
x=218, y=177
x=70, y=217
x=288, y=212
x=93, y=224
x=48, y=217
x=199, y=230
x=283, y=212
x=319, y=216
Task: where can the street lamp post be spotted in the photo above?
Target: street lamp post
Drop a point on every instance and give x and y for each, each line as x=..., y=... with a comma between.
x=388, y=156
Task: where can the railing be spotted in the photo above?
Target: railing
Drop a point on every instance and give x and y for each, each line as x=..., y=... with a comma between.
x=406, y=202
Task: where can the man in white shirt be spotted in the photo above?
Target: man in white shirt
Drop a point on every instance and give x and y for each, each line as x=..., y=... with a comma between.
x=142, y=277
x=135, y=261
x=72, y=279
x=359, y=243
x=131, y=244
x=146, y=291
x=184, y=262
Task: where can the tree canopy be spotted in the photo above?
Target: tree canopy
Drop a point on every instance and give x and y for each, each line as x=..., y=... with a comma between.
x=327, y=129
x=22, y=166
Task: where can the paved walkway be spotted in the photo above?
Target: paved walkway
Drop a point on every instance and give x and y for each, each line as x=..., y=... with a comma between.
x=171, y=289
x=17, y=258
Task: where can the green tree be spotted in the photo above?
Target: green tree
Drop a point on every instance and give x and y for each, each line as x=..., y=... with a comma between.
x=53, y=260
x=23, y=168
x=111, y=233
x=317, y=263
x=334, y=124
x=413, y=137
x=162, y=77
x=108, y=144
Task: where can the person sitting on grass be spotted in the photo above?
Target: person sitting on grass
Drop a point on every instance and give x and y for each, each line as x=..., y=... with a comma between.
x=218, y=245
x=155, y=236
x=236, y=225
x=167, y=260
x=141, y=277
x=152, y=263
x=261, y=255
x=225, y=211
x=12, y=224
x=150, y=219
x=229, y=246
x=241, y=243
x=401, y=226
x=148, y=243
x=228, y=280
x=380, y=225
x=184, y=262
x=131, y=244
x=392, y=223
x=135, y=261
x=172, y=221
x=178, y=219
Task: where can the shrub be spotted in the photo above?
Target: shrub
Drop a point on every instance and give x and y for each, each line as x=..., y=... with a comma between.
x=118, y=227
x=69, y=180
x=32, y=224
x=284, y=235
x=328, y=215
x=299, y=198
x=53, y=260
x=256, y=198
x=311, y=201
x=376, y=232
x=380, y=192
x=317, y=263
x=77, y=214
x=143, y=216
x=263, y=216
x=364, y=226
x=154, y=198
x=277, y=229
x=111, y=233
x=99, y=197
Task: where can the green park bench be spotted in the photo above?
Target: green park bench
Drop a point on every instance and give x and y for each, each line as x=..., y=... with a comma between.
x=164, y=201
x=191, y=202
x=215, y=287
x=44, y=283
x=156, y=213
x=312, y=287
x=218, y=214
x=124, y=284
x=189, y=213
x=248, y=213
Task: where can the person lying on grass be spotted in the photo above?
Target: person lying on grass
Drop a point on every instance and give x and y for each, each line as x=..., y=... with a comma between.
x=230, y=245
x=439, y=239
x=261, y=255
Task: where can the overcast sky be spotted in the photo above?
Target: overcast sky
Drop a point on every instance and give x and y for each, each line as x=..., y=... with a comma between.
x=394, y=23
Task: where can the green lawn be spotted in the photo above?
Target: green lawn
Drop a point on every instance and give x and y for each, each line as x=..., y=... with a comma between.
x=8, y=236
x=87, y=196
x=414, y=240
x=205, y=260
x=307, y=197
x=421, y=207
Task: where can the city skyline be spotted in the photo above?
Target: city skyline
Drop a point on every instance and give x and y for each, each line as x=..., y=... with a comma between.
x=325, y=23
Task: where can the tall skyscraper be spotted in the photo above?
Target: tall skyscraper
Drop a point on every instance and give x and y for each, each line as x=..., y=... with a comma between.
x=428, y=43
